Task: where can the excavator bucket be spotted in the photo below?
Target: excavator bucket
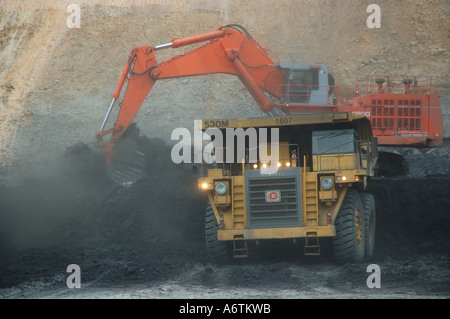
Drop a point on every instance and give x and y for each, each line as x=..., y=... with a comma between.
x=128, y=158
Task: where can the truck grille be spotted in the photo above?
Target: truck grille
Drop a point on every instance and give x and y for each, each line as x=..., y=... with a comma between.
x=285, y=213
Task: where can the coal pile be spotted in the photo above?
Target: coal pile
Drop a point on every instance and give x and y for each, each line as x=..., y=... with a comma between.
x=412, y=214
x=429, y=161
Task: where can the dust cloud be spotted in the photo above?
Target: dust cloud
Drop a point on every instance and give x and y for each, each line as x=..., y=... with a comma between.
x=72, y=201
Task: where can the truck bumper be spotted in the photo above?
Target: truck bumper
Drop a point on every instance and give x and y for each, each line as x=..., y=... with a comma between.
x=276, y=233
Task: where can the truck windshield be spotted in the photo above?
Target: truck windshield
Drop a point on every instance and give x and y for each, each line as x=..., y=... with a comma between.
x=333, y=141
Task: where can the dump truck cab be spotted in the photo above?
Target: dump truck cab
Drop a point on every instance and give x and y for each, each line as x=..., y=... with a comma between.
x=314, y=187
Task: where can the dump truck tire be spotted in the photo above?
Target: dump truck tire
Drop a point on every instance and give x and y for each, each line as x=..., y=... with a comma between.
x=218, y=251
x=368, y=202
x=349, y=242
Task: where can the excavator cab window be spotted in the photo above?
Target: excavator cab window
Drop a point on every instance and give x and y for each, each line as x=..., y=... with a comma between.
x=305, y=78
x=301, y=83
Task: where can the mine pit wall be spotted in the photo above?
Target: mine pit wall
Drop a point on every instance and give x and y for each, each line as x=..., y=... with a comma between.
x=56, y=83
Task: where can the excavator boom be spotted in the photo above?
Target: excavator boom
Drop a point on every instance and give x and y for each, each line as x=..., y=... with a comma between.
x=228, y=51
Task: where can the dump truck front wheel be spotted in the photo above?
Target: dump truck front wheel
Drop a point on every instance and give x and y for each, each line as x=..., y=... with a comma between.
x=368, y=203
x=349, y=242
x=218, y=251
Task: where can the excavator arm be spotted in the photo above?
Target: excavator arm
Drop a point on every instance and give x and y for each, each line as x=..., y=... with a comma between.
x=229, y=50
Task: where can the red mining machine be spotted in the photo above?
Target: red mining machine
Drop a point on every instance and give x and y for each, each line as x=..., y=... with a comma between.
x=405, y=111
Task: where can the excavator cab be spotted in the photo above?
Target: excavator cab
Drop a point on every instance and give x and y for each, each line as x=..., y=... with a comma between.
x=309, y=84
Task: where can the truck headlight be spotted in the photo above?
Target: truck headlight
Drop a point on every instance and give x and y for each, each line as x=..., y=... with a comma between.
x=221, y=188
x=326, y=183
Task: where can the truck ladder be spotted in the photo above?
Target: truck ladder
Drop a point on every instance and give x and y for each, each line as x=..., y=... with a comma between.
x=312, y=246
x=311, y=201
x=238, y=205
x=240, y=249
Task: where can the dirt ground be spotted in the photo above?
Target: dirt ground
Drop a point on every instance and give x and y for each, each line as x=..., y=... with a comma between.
x=146, y=240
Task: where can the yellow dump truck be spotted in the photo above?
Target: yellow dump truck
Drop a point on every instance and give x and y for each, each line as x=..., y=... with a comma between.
x=314, y=188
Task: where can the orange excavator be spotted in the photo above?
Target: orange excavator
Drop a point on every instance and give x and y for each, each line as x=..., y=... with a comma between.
x=411, y=117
